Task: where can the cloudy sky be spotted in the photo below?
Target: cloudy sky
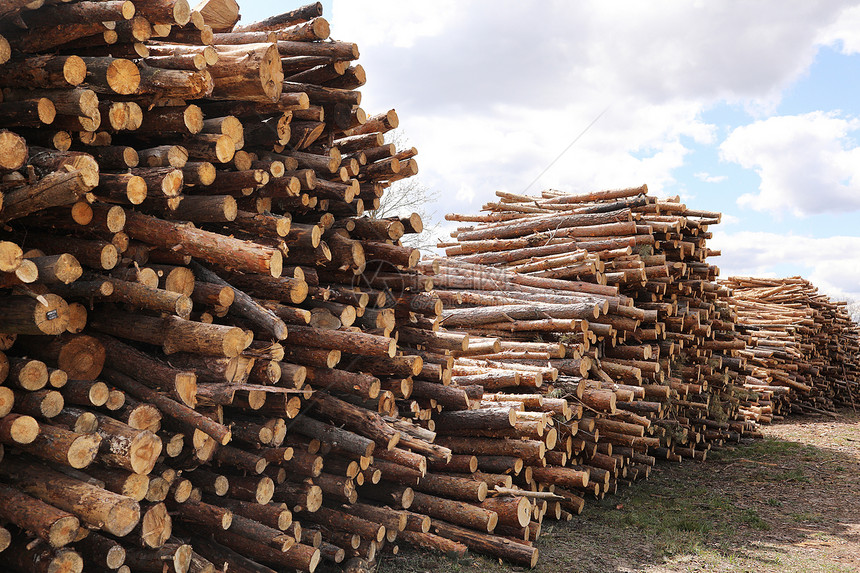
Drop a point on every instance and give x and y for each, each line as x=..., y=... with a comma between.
x=751, y=108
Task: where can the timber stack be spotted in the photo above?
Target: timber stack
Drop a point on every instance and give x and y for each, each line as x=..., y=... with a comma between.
x=801, y=348
x=609, y=299
x=623, y=285
x=198, y=325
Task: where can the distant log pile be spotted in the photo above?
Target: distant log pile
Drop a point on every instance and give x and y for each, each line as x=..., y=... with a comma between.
x=802, y=348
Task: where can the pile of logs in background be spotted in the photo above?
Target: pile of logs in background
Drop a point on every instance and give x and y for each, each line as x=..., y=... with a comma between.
x=210, y=357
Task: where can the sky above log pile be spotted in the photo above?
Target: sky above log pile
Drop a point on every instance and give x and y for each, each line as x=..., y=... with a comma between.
x=748, y=108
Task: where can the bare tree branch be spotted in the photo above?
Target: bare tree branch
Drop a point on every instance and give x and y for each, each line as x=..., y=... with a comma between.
x=409, y=196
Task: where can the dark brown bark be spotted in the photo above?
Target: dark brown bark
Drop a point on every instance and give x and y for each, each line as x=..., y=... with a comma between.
x=502, y=547
x=180, y=384
x=208, y=246
x=94, y=506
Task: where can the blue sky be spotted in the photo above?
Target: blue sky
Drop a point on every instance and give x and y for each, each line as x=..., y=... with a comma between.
x=751, y=108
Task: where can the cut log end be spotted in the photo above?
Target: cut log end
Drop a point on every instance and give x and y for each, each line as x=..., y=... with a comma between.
x=122, y=517
x=5, y=50
x=193, y=118
x=74, y=70
x=27, y=272
x=155, y=526
x=63, y=531
x=225, y=148
x=20, y=429
x=181, y=12
x=147, y=448
x=115, y=556
x=11, y=256
x=13, y=150
x=53, y=317
x=83, y=451
x=276, y=265
x=123, y=76
x=314, y=499
x=109, y=257
x=7, y=397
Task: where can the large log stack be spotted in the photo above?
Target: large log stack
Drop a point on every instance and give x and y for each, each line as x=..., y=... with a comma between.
x=193, y=361
x=653, y=331
x=608, y=299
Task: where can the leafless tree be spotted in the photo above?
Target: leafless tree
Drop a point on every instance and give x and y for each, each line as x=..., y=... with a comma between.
x=409, y=196
x=854, y=310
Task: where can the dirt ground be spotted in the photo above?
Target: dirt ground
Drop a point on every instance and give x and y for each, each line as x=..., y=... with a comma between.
x=787, y=503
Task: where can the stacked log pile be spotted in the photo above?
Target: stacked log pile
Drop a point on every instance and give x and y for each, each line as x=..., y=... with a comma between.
x=200, y=329
x=802, y=348
x=608, y=299
x=654, y=331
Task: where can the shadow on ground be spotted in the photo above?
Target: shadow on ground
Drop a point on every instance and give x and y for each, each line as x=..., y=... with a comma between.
x=787, y=503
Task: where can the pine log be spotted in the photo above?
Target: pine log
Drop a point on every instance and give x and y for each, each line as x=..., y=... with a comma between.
x=123, y=446
x=18, y=429
x=44, y=71
x=182, y=414
x=94, y=506
x=61, y=446
x=170, y=557
x=40, y=557
x=250, y=72
x=502, y=547
x=301, y=557
x=212, y=247
x=102, y=551
x=180, y=384
x=458, y=512
x=297, y=16
x=359, y=420
x=80, y=356
x=172, y=333
x=55, y=189
x=246, y=307
x=56, y=527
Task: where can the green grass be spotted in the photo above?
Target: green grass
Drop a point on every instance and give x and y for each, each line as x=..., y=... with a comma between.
x=681, y=519
x=751, y=518
x=768, y=448
x=806, y=517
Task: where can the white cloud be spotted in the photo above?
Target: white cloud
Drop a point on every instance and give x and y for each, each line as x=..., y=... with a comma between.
x=708, y=178
x=807, y=163
x=492, y=92
x=390, y=23
x=844, y=33
x=831, y=263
